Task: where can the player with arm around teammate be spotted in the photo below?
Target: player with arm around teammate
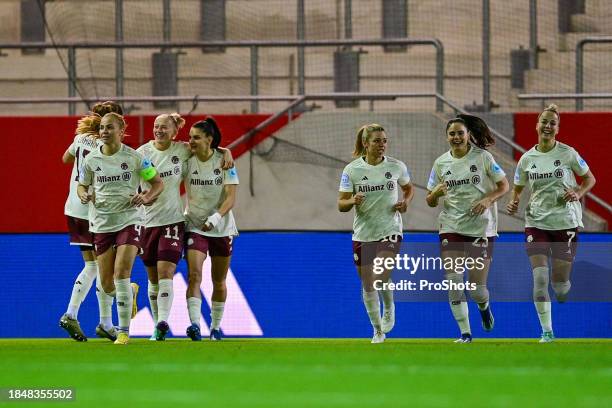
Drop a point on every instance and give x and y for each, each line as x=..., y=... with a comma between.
x=114, y=171
x=164, y=221
x=379, y=189
x=211, y=194
x=471, y=182
x=77, y=215
x=553, y=214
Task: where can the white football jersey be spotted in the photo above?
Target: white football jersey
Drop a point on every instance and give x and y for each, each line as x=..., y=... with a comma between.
x=115, y=181
x=468, y=180
x=548, y=176
x=80, y=148
x=168, y=208
x=204, y=183
x=375, y=218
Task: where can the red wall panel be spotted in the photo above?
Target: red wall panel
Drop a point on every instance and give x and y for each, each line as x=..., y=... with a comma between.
x=590, y=133
x=35, y=181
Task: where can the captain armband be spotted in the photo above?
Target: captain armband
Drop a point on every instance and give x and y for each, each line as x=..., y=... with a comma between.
x=148, y=171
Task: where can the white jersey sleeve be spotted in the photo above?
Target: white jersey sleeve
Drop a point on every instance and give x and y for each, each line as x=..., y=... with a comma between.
x=404, y=178
x=492, y=169
x=520, y=174
x=578, y=165
x=346, y=184
x=81, y=146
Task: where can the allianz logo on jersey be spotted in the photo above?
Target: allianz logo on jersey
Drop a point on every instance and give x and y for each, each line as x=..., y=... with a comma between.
x=539, y=176
x=461, y=182
x=108, y=179
x=238, y=318
x=380, y=187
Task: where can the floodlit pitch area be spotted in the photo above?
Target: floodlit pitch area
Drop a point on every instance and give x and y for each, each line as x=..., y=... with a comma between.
x=316, y=372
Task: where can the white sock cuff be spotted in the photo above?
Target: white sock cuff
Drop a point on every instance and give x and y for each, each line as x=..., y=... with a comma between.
x=165, y=284
x=153, y=286
x=194, y=301
x=214, y=304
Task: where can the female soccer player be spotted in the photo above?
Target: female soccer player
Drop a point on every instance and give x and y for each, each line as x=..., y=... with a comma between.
x=371, y=184
x=164, y=221
x=77, y=216
x=553, y=213
x=114, y=171
x=472, y=182
x=211, y=194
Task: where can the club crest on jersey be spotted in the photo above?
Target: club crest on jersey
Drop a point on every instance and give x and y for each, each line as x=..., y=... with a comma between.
x=217, y=172
x=476, y=179
x=219, y=181
x=390, y=185
x=177, y=170
x=127, y=176
x=388, y=175
x=124, y=166
x=473, y=168
x=557, y=163
x=559, y=173
x=175, y=159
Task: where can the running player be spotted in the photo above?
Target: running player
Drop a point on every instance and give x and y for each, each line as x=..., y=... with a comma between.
x=471, y=181
x=211, y=194
x=77, y=217
x=553, y=212
x=164, y=221
x=371, y=184
x=114, y=171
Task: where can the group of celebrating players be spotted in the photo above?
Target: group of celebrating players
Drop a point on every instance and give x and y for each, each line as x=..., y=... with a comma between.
x=124, y=202
x=471, y=183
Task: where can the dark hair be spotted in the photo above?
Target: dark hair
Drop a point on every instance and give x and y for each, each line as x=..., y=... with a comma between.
x=209, y=127
x=480, y=134
x=102, y=108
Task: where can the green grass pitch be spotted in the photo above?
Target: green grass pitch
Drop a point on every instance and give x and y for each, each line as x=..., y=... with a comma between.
x=314, y=372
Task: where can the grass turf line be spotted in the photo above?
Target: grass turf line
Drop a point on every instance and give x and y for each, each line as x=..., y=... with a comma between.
x=315, y=372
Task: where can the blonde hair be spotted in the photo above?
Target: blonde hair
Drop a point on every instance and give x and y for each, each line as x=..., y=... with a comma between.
x=363, y=135
x=89, y=125
x=118, y=118
x=175, y=118
x=551, y=108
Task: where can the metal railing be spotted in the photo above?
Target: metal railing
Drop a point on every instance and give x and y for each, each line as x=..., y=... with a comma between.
x=254, y=47
x=297, y=101
x=579, y=96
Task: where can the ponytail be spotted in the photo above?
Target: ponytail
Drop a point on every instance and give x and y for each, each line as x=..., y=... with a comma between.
x=210, y=128
x=89, y=125
x=480, y=134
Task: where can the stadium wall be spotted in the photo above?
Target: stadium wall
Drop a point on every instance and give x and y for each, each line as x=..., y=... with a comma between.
x=298, y=285
x=589, y=134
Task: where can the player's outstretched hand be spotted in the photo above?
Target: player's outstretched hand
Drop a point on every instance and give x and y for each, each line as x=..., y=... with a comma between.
x=570, y=195
x=512, y=206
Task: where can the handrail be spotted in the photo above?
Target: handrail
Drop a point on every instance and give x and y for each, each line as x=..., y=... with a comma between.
x=252, y=45
x=580, y=63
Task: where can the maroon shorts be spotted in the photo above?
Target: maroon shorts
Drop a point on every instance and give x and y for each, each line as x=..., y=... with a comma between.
x=129, y=235
x=163, y=243
x=473, y=247
x=559, y=244
x=215, y=246
x=365, y=252
x=78, y=229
